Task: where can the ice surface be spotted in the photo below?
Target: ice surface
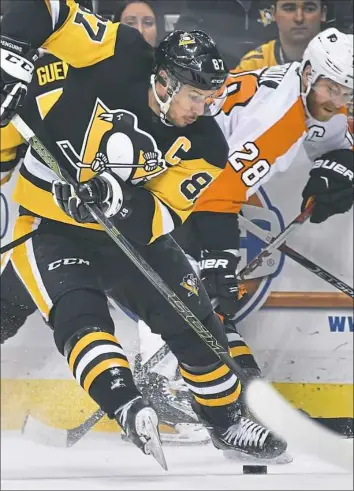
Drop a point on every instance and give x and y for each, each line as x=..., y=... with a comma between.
x=105, y=462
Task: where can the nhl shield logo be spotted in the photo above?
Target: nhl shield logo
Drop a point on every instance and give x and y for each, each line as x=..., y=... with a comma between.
x=260, y=211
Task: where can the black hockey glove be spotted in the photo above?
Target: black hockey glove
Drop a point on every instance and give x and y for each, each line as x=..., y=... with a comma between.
x=103, y=190
x=331, y=184
x=15, y=74
x=218, y=274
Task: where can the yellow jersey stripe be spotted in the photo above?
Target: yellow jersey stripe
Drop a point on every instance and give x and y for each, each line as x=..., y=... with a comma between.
x=25, y=268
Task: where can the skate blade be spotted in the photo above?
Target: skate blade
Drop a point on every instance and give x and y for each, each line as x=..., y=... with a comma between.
x=282, y=459
x=154, y=446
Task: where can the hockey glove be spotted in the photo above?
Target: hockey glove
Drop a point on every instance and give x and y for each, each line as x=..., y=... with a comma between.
x=103, y=190
x=218, y=274
x=15, y=74
x=331, y=184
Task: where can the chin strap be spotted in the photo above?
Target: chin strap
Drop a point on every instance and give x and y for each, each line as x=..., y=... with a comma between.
x=304, y=94
x=165, y=105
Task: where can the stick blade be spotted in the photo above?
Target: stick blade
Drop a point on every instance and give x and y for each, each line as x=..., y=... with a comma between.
x=296, y=428
x=38, y=432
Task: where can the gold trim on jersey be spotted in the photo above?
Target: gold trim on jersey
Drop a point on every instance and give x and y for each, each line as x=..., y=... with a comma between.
x=85, y=31
x=46, y=101
x=162, y=222
x=10, y=139
x=25, y=265
x=41, y=202
x=168, y=186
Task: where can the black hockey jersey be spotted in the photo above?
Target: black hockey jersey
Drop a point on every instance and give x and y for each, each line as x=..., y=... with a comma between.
x=44, y=90
x=104, y=110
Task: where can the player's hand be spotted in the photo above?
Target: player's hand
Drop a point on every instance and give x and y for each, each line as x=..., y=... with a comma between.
x=218, y=274
x=103, y=190
x=15, y=74
x=331, y=185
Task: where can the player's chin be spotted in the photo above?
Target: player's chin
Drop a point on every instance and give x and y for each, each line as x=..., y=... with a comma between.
x=326, y=114
x=184, y=121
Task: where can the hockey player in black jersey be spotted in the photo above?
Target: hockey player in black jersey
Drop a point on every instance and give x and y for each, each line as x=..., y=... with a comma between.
x=114, y=74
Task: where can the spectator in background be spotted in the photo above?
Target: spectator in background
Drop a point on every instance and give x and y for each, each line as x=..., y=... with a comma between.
x=235, y=25
x=340, y=15
x=298, y=22
x=138, y=14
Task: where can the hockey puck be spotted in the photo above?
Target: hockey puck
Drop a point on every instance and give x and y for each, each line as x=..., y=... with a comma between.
x=254, y=469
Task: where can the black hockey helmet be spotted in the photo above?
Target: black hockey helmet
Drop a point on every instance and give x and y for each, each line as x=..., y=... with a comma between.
x=192, y=58
x=86, y=4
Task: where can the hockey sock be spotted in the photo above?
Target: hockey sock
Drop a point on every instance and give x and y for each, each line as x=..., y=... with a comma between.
x=99, y=364
x=214, y=387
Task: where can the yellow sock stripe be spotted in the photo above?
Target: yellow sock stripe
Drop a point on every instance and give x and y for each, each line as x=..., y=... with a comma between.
x=240, y=350
x=222, y=401
x=85, y=341
x=206, y=377
x=100, y=368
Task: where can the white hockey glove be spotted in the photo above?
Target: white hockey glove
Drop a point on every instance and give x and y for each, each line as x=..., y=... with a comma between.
x=15, y=74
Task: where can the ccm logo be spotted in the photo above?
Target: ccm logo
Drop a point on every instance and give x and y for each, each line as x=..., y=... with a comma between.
x=328, y=164
x=213, y=263
x=69, y=261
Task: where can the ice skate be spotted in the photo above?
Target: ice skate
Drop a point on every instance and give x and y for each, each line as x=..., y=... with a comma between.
x=174, y=411
x=243, y=439
x=139, y=422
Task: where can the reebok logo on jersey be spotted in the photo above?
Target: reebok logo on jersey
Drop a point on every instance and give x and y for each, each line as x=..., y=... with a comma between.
x=213, y=263
x=332, y=165
x=68, y=261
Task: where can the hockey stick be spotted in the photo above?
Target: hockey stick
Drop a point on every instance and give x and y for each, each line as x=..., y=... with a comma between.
x=276, y=242
x=39, y=432
x=169, y=295
x=303, y=261
x=17, y=242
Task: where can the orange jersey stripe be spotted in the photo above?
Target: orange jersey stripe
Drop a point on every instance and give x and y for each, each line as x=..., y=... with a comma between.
x=241, y=89
x=228, y=192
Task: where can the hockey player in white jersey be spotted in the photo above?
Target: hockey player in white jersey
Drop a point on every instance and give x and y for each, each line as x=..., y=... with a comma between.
x=268, y=117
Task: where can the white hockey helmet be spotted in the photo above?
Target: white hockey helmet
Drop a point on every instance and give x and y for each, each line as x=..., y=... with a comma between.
x=330, y=55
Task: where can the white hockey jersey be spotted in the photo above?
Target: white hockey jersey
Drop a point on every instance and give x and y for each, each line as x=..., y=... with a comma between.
x=265, y=123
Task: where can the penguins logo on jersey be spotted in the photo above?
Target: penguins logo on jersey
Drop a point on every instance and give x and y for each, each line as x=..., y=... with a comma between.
x=266, y=17
x=190, y=283
x=114, y=140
